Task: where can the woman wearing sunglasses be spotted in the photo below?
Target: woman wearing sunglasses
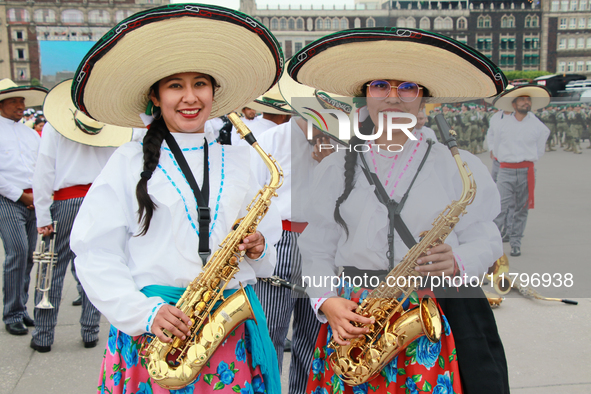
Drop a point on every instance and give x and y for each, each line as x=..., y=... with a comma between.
x=349, y=228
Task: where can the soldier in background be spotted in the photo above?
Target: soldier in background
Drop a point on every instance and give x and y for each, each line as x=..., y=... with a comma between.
x=562, y=126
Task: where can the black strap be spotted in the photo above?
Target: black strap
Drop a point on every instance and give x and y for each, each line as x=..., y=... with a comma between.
x=394, y=209
x=202, y=196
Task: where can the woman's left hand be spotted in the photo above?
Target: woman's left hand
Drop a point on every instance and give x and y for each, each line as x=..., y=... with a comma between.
x=254, y=245
x=442, y=262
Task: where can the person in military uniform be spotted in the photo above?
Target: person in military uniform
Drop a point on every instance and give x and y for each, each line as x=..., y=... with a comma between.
x=549, y=119
x=577, y=126
x=562, y=126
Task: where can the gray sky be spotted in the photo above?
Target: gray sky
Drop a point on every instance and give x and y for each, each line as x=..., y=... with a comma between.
x=235, y=4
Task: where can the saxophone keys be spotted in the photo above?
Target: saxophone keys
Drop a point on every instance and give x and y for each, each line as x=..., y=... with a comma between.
x=197, y=355
x=213, y=332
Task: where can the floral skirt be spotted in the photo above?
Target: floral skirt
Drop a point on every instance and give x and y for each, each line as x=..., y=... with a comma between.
x=229, y=370
x=423, y=367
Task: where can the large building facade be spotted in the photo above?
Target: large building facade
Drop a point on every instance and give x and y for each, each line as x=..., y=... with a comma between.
x=551, y=35
x=26, y=22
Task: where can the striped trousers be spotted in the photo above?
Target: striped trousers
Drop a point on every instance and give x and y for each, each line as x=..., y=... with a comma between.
x=19, y=234
x=279, y=303
x=64, y=212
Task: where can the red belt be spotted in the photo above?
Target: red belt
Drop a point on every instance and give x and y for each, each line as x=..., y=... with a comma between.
x=28, y=191
x=531, y=178
x=71, y=192
x=296, y=227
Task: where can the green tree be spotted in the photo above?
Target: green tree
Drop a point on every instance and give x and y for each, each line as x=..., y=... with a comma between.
x=511, y=75
x=36, y=82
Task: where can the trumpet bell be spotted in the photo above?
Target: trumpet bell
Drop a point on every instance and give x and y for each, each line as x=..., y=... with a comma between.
x=44, y=303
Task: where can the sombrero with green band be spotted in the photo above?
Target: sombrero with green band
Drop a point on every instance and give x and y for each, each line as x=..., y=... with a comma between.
x=343, y=62
x=60, y=112
x=271, y=103
x=33, y=95
x=540, y=97
x=113, y=80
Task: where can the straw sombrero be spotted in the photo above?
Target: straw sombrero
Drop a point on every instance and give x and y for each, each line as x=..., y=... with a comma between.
x=33, y=95
x=271, y=103
x=540, y=97
x=113, y=80
x=61, y=113
x=309, y=103
x=343, y=62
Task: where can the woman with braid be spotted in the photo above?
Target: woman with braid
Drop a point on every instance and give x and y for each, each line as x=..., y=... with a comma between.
x=349, y=238
x=162, y=205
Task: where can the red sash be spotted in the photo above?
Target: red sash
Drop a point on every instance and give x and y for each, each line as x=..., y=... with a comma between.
x=28, y=191
x=297, y=227
x=531, y=178
x=71, y=192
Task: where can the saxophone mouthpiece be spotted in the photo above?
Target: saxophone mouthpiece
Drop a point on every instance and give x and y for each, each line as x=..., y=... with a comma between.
x=447, y=135
x=241, y=128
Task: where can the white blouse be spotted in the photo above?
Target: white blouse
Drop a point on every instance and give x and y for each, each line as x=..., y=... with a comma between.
x=63, y=163
x=113, y=263
x=324, y=245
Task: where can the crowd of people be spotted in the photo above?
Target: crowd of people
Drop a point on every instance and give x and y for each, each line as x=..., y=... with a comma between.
x=139, y=178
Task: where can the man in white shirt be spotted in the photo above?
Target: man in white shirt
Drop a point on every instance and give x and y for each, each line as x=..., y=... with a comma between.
x=18, y=155
x=70, y=158
x=518, y=141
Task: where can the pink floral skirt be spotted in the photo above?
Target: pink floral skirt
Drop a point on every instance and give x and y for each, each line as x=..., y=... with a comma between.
x=229, y=370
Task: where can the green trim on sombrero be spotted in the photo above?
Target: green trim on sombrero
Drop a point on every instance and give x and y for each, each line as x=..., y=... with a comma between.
x=127, y=31
x=33, y=95
x=399, y=35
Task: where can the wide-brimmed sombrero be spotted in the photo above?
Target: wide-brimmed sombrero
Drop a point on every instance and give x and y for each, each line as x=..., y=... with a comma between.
x=113, y=80
x=343, y=62
x=270, y=103
x=540, y=97
x=60, y=112
x=310, y=104
x=33, y=95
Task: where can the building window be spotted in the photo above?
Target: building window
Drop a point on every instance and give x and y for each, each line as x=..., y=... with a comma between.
x=531, y=60
x=19, y=35
x=438, y=25
x=462, y=23
x=425, y=23
x=580, y=66
x=283, y=24
x=528, y=21
x=370, y=22
x=298, y=46
x=21, y=74
x=344, y=23
x=508, y=44
x=534, y=21
x=327, y=24
x=562, y=23
x=291, y=24
x=588, y=66
x=588, y=42
x=589, y=23
x=357, y=22
x=582, y=23
x=571, y=43
x=18, y=15
x=120, y=15
x=401, y=22
x=580, y=43
x=562, y=43
x=583, y=5
x=448, y=23
x=507, y=60
x=44, y=16
x=573, y=5
x=561, y=67
x=573, y=23
x=571, y=67
x=508, y=21
x=531, y=43
x=484, y=44
x=274, y=24
x=319, y=24
x=411, y=22
x=99, y=16
x=555, y=6
x=20, y=53
x=564, y=5
x=462, y=39
x=300, y=24
x=483, y=22
x=72, y=16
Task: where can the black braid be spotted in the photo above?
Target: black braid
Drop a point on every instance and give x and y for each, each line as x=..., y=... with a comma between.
x=350, y=164
x=151, y=148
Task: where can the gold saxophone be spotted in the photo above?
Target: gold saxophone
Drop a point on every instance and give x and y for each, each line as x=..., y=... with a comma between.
x=175, y=365
x=500, y=275
x=365, y=357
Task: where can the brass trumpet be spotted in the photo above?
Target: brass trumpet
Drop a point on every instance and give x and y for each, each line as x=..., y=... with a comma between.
x=46, y=261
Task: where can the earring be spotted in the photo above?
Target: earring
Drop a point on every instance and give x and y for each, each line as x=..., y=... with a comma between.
x=156, y=112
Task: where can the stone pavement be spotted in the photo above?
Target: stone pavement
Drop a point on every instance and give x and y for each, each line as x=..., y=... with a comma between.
x=548, y=344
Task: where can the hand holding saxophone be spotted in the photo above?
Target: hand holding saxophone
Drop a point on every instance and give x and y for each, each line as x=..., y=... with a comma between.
x=172, y=319
x=254, y=245
x=340, y=312
x=442, y=261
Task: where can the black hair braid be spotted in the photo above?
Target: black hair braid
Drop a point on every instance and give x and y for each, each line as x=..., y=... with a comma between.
x=151, y=148
x=350, y=163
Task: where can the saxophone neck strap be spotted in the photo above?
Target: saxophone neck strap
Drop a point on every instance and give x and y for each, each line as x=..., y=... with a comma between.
x=395, y=221
x=201, y=195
